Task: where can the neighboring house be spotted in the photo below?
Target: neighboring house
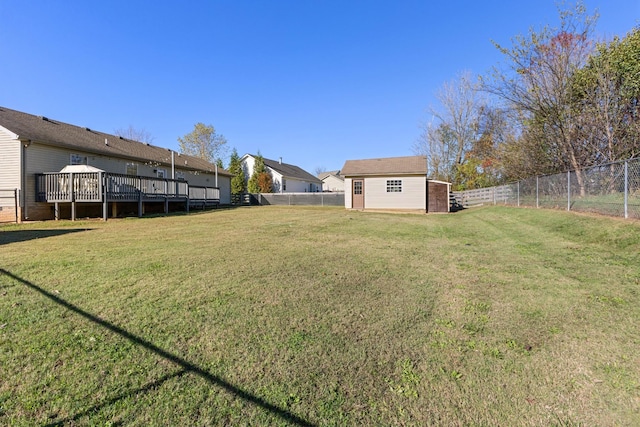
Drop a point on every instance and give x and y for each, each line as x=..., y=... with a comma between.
x=286, y=178
x=122, y=176
x=332, y=181
x=393, y=183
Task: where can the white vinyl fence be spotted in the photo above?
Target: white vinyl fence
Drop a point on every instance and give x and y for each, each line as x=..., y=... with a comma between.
x=612, y=189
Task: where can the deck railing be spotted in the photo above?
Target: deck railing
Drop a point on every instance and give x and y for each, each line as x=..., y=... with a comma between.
x=90, y=187
x=69, y=186
x=205, y=194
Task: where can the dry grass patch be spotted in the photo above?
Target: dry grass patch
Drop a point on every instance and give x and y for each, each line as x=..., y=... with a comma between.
x=321, y=316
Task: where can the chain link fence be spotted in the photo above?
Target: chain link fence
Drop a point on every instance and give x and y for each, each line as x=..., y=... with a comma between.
x=612, y=189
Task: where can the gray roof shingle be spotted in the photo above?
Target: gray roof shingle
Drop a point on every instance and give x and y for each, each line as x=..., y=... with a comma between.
x=47, y=131
x=409, y=165
x=290, y=171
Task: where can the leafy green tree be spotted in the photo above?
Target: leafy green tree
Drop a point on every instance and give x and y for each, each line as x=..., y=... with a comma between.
x=204, y=142
x=260, y=180
x=235, y=168
x=607, y=90
x=537, y=84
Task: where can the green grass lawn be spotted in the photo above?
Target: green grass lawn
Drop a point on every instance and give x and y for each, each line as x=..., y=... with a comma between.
x=321, y=316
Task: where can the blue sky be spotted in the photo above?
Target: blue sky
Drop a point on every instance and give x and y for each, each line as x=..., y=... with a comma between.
x=314, y=82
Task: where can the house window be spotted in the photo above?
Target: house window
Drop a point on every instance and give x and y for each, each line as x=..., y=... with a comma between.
x=394, y=186
x=77, y=159
x=284, y=184
x=357, y=187
x=131, y=169
x=180, y=175
x=161, y=173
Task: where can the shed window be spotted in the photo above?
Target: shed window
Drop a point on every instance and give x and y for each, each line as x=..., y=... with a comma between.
x=394, y=186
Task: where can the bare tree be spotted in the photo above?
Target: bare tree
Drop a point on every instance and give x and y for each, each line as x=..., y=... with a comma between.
x=537, y=83
x=140, y=135
x=451, y=133
x=319, y=169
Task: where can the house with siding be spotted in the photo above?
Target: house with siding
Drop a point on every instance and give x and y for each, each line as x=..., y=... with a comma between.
x=393, y=183
x=332, y=181
x=120, y=175
x=286, y=178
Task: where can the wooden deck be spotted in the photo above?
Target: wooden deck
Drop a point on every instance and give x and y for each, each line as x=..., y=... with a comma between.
x=109, y=188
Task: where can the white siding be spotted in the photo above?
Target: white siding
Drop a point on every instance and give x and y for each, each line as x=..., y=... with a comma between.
x=9, y=165
x=347, y=192
x=412, y=196
x=276, y=178
x=296, y=186
x=331, y=183
x=247, y=167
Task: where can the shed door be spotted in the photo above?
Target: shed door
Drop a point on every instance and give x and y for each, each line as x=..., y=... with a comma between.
x=437, y=197
x=357, y=197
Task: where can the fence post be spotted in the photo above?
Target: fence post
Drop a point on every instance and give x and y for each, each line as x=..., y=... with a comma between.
x=537, y=191
x=568, y=190
x=518, y=193
x=626, y=189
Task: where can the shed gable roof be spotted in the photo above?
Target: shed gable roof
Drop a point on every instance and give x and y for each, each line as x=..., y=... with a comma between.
x=409, y=165
x=52, y=132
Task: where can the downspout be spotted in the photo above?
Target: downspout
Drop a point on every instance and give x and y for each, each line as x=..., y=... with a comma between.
x=23, y=180
x=173, y=166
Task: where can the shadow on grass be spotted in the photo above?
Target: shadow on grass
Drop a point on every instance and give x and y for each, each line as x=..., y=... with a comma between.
x=151, y=386
x=186, y=366
x=15, y=236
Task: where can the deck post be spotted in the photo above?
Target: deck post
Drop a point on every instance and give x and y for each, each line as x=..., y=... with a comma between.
x=56, y=211
x=105, y=201
x=73, y=197
x=139, y=197
x=188, y=201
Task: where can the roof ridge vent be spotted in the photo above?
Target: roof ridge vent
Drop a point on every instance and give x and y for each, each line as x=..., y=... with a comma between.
x=120, y=137
x=44, y=118
x=88, y=129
